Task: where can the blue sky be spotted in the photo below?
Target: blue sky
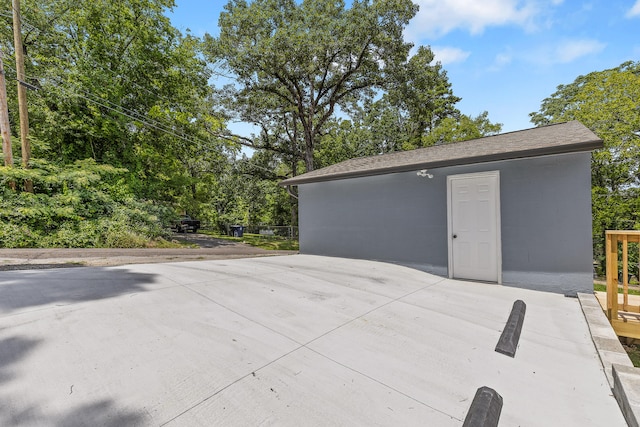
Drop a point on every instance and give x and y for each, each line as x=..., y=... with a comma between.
x=501, y=56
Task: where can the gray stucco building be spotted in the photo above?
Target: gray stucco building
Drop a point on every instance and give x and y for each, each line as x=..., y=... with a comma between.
x=513, y=208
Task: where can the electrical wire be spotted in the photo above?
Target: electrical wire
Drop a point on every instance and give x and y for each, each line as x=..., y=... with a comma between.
x=90, y=97
x=138, y=117
x=92, y=62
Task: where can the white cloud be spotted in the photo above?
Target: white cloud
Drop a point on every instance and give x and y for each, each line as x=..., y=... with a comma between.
x=448, y=55
x=635, y=10
x=439, y=17
x=564, y=52
x=500, y=61
x=571, y=50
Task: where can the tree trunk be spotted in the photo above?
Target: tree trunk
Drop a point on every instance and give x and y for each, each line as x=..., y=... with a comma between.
x=308, y=150
x=294, y=211
x=22, y=92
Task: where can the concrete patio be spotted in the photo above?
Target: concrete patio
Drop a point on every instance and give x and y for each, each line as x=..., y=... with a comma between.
x=291, y=340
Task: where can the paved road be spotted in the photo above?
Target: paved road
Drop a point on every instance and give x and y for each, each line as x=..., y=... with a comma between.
x=209, y=248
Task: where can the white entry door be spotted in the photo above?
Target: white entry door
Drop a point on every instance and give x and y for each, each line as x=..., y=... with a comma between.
x=474, y=226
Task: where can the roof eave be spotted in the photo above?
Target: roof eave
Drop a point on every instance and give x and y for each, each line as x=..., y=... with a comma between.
x=545, y=151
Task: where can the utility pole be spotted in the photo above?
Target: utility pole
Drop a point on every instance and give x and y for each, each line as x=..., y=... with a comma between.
x=5, y=127
x=4, y=119
x=22, y=92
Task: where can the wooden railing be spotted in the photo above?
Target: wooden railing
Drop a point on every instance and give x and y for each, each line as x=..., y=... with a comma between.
x=624, y=315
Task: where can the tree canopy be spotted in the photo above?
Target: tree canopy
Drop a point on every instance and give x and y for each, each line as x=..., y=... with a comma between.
x=607, y=103
x=295, y=63
x=118, y=84
x=126, y=104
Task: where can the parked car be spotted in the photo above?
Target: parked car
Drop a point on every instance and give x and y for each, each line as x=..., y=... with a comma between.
x=185, y=224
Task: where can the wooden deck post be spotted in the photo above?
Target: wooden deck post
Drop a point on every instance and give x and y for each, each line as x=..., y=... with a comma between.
x=612, y=275
x=625, y=272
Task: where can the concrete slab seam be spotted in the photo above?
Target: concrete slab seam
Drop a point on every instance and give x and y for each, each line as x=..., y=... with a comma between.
x=221, y=389
x=391, y=301
x=301, y=346
x=508, y=342
x=241, y=315
x=384, y=384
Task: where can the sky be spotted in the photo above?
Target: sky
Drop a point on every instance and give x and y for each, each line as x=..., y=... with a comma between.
x=501, y=56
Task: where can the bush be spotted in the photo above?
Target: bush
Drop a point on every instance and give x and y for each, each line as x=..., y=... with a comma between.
x=77, y=206
x=17, y=236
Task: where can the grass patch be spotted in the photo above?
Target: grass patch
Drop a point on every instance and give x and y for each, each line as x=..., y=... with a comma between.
x=632, y=348
x=603, y=288
x=272, y=243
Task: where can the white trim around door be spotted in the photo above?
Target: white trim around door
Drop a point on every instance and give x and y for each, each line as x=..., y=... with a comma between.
x=473, y=225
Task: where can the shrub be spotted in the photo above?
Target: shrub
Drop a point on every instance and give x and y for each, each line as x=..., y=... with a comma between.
x=77, y=206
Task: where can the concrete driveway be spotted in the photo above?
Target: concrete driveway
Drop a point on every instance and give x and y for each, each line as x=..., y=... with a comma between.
x=292, y=340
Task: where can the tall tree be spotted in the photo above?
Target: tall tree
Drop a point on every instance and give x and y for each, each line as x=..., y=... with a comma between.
x=381, y=127
x=461, y=128
x=424, y=95
x=119, y=84
x=607, y=103
x=297, y=63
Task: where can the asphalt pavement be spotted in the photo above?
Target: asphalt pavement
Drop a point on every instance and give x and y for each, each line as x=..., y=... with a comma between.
x=205, y=248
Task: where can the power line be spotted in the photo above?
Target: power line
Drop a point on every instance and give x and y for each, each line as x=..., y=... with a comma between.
x=93, y=62
x=143, y=119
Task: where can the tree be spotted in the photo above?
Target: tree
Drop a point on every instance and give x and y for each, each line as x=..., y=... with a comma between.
x=424, y=95
x=118, y=84
x=461, y=128
x=295, y=65
x=607, y=103
x=382, y=128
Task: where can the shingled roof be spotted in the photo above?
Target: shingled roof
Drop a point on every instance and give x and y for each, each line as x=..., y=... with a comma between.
x=559, y=138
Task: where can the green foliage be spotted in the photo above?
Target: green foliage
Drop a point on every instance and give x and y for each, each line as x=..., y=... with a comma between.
x=633, y=350
x=607, y=103
x=296, y=62
x=423, y=95
x=246, y=192
x=118, y=84
x=603, y=288
x=381, y=128
x=81, y=205
x=275, y=243
x=462, y=128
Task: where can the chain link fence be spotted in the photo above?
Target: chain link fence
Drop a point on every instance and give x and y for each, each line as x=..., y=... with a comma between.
x=283, y=231
x=286, y=231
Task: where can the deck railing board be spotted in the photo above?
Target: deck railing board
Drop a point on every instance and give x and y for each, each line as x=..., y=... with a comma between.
x=627, y=324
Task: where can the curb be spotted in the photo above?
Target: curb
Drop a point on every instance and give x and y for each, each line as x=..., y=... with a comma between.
x=623, y=377
x=626, y=389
